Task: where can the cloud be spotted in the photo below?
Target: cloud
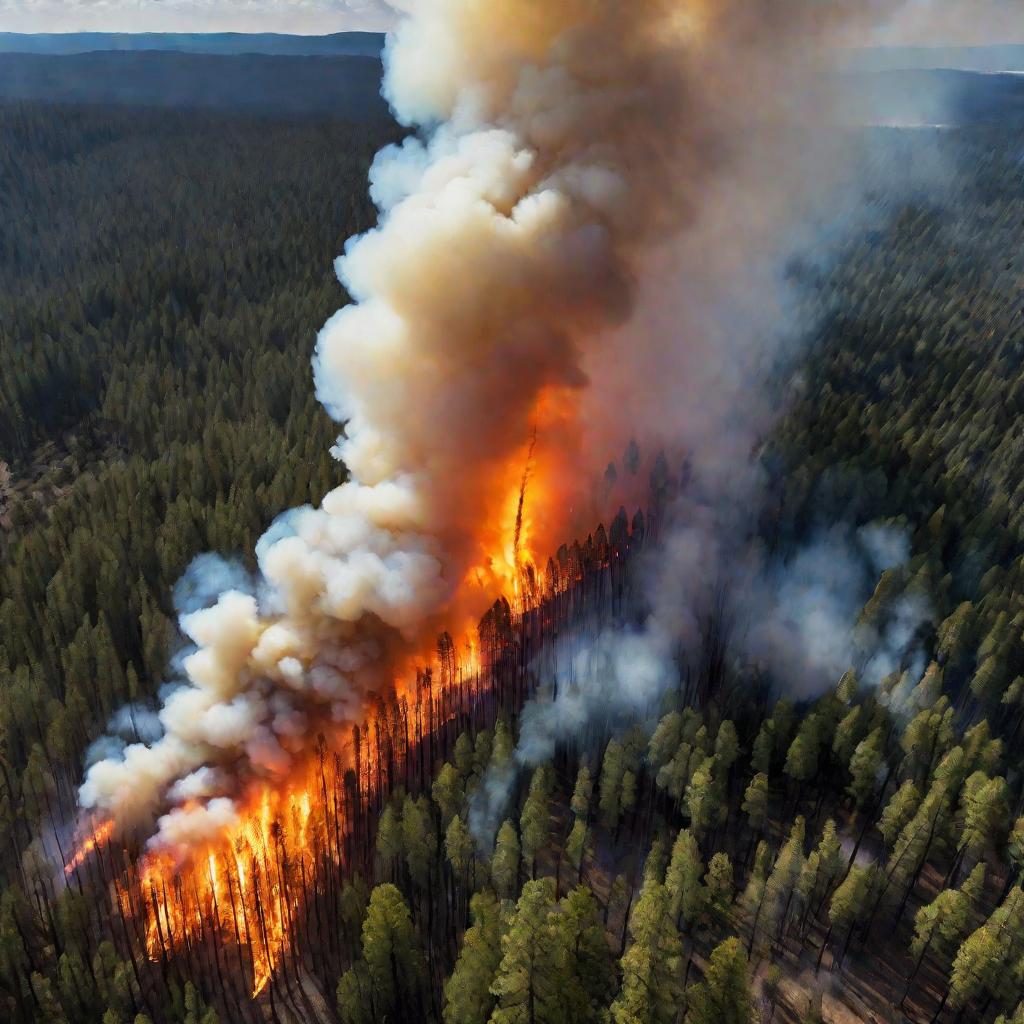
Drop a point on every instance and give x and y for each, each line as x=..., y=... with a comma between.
x=291, y=16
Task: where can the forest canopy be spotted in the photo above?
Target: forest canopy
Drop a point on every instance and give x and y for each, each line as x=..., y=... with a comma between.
x=164, y=275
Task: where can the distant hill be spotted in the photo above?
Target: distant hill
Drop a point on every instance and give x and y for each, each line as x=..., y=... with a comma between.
x=345, y=87
x=340, y=44
x=983, y=59
x=138, y=72
x=934, y=97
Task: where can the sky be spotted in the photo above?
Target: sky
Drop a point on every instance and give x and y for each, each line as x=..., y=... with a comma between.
x=307, y=17
x=943, y=22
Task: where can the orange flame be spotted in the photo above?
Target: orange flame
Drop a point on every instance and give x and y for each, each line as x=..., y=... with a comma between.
x=252, y=886
x=249, y=886
x=99, y=835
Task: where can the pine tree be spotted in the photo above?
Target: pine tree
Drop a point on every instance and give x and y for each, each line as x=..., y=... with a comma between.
x=467, y=993
x=727, y=747
x=942, y=925
x=613, y=767
x=687, y=896
x=719, y=885
x=583, y=947
x=830, y=856
x=986, y=964
x=986, y=810
x=482, y=752
x=723, y=997
x=355, y=898
x=702, y=801
x=927, y=692
x=902, y=806
x=764, y=748
x=1017, y=1017
x=804, y=752
x=847, y=907
x=196, y=1010
x=418, y=839
x=502, y=749
x=976, y=967
x=448, y=793
x=458, y=846
x=530, y=983
x=926, y=740
x=808, y=882
x=781, y=883
x=1015, y=851
x=582, y=793
x=864, y=768
x=955, y=633
x=655, y=862
x=928, y=825
x=577, y=846
x=651, y=976
x=675, y=776
x=665, y=740
x=627, y=793
x=393, y=960
x=753, y=897
x=535, y=822
x=389, y=837
x=505, y=861
x=463, y=754
x=354, y=995
x=847, y=688
x=755, y=801
x=848, y=735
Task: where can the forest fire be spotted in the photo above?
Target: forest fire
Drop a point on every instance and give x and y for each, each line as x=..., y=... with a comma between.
x=95, y=838
x=249, y=884
x=246, y=889
x=559, y=149
x=255, y=891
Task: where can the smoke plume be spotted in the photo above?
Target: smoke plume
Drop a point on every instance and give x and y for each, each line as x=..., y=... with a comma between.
x=558, y=254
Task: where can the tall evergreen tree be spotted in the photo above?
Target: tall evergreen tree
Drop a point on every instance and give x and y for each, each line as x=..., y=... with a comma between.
x=723, y=997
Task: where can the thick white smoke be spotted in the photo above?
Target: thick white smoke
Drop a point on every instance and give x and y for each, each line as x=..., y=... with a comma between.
x=564, y=149
x=504, y=244
x=800, y=618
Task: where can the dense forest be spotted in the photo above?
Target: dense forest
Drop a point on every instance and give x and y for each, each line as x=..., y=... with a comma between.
x=345, y=87
x=163, y=278
x=338, y=44
x=743, y=856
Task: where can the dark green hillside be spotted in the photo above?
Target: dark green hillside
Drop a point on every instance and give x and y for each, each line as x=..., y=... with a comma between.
x=164, y=277
x=343, y=87
x=352, y=44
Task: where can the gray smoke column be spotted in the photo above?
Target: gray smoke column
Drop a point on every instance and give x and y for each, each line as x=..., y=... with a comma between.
x=572, y=159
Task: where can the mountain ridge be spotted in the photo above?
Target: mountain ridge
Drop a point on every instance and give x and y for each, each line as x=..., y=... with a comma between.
x=344, y=87
x=338, y=44
x=1002, y=58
